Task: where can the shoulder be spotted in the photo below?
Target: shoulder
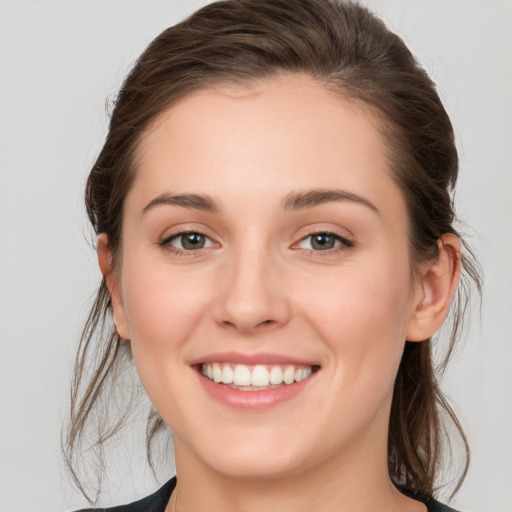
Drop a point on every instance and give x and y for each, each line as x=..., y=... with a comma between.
x=432, y=504
x=155, y=502
x=436, y=506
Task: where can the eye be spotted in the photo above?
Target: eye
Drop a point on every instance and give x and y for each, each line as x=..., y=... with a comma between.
x=323, y=241
x=188, y=241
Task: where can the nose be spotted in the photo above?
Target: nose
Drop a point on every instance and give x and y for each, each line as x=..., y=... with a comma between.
x=252, y=297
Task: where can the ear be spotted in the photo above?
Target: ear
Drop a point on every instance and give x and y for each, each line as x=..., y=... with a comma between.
x=435, y=290
x=105, y=263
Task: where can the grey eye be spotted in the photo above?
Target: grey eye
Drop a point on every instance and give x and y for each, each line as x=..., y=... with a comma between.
x=189, y=241
x=192, y=241
x=323, y=241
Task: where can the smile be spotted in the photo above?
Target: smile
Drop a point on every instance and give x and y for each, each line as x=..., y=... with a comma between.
x=255, y=377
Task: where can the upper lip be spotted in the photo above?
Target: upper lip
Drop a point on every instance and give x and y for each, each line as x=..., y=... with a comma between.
x=251, y=359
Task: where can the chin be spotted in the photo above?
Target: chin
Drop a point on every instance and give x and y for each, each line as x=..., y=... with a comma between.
x=252, y=453
x=257, y=466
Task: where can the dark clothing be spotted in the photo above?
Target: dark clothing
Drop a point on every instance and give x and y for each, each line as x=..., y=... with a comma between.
x=158, y=501
x=431, y=503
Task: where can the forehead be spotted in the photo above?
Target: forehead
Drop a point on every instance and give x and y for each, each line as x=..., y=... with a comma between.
x=277, y=135
x=287, y=106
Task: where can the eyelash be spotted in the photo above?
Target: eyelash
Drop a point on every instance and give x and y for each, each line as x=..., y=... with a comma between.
x=344, y=243
x=166, y=243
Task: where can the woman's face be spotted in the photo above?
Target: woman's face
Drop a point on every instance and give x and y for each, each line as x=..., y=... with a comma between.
x=265, y=240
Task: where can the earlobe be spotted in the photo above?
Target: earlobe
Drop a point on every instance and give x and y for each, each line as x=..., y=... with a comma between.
x=438, y=284
x=105, y=263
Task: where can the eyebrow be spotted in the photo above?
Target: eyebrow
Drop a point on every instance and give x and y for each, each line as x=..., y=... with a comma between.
x=194, y=201
x=293, y=201
x=310, y=198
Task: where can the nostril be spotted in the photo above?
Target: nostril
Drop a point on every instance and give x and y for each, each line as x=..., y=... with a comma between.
x=266, y=322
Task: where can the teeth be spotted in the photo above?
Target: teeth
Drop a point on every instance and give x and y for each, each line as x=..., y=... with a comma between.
x=302, y=373
x=258, y=376
x=242, y=375
x=227, y=374
x=276, y=375
x=216, y=372
x=289, y=375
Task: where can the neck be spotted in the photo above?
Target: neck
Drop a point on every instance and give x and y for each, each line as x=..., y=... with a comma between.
x=346, y=482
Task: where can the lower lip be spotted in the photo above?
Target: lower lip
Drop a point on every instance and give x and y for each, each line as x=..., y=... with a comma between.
x=253, y=400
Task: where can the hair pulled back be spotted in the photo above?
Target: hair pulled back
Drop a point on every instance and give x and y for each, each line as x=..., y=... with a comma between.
x=351, y=52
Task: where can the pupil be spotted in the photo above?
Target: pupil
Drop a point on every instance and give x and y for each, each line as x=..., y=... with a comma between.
x=193, y=241
x=322, y=242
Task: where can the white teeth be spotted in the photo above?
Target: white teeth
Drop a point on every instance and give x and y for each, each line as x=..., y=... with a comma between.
x=276, y=375
x=227, y=374
x=259, y=376
x=289, y=375
x=242, y=375
x=216, y=372
x=302, y=373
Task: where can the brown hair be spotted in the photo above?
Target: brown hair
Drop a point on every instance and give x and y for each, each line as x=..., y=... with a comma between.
x=350, y=51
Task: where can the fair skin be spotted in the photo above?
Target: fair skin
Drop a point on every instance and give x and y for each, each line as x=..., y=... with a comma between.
x=254, y=287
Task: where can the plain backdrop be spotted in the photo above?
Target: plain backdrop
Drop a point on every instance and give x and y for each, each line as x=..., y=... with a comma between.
x=59, y=63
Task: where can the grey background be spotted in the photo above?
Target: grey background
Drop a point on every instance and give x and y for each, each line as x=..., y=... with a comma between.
x=59, y=62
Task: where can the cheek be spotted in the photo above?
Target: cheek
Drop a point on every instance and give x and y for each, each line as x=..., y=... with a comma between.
x=163, y=308
x=362, y=316
x=164, y=311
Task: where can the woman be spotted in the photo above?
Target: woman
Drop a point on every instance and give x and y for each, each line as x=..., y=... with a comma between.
x=275, y=231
